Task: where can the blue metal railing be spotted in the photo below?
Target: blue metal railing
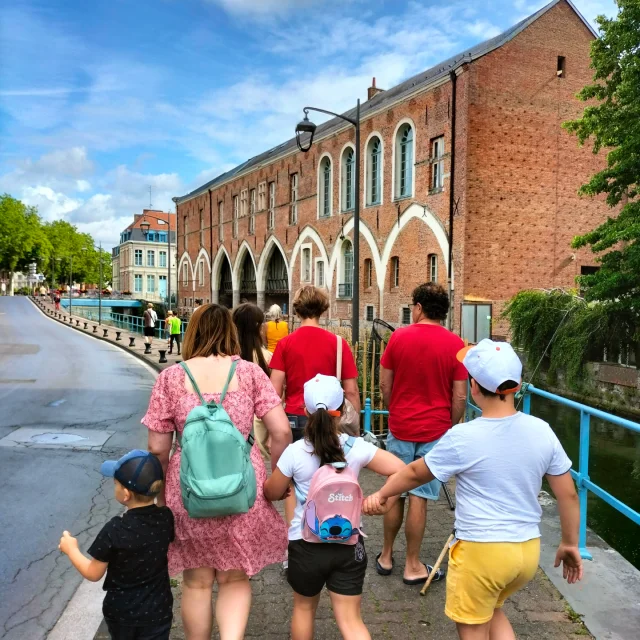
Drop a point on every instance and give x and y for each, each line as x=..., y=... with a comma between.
x=581, y=475
x=133, y=324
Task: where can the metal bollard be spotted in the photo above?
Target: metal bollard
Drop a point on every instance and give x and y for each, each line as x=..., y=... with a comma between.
x=147, y=348
x=105, y=332
x=118, y=335
x=64, y=318
x=95, y=328
x=86, y=324
x=132, y=342
x=70, y=320
x=163, y=355
x=77, y=323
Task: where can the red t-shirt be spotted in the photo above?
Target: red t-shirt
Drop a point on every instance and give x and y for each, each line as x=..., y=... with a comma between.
x=424, y=364
x=305, y=353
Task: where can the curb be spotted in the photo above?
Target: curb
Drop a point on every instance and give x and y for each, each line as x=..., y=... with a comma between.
x=140, y=356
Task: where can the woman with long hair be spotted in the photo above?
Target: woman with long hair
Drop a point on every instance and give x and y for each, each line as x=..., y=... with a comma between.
x=249, y=319
x=312, y=565
x=276, y=327
x=227, y=550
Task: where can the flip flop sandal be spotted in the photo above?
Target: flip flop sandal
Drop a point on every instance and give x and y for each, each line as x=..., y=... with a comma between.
x=436, y=578
x=380, y=569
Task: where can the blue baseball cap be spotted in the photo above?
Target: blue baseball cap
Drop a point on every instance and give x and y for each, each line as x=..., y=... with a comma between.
x=136, y=470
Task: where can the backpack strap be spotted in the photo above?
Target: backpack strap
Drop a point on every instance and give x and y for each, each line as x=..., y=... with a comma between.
x=348, y=445
x=232, y=370
x=194, y=384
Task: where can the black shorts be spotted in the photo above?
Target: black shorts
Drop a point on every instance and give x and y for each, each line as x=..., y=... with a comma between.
x=153, y=632
x=149, y=332
x=297, y=424
x=341, y=567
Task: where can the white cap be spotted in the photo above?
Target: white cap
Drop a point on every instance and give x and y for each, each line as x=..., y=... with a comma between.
x=491, y=363
x=323, y=392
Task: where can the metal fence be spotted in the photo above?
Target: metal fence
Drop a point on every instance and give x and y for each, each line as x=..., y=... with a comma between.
x=581, y=475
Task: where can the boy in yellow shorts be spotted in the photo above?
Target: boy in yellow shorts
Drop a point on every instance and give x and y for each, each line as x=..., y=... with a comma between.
x=499, y=461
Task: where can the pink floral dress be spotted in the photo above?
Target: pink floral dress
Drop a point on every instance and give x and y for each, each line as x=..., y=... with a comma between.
x=249, y=541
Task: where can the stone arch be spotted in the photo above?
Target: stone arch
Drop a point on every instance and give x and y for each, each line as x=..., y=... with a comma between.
x=203, y=253
x=245, y=275
x=272, y=244
x=309, y=233
x=219, y=288
x=273, y=276
x=186, y=258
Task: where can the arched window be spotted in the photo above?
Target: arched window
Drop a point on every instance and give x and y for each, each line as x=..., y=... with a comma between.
x=404, y=162
x=348, y=179
x=324, y=188
x=345, y=285
x=433, y=267
x=374, y=171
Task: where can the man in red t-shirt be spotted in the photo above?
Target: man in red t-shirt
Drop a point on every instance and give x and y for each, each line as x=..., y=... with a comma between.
x=424, y=386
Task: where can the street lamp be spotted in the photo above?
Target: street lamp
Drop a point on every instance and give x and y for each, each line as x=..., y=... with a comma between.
x=307, y=128
x=144, y=227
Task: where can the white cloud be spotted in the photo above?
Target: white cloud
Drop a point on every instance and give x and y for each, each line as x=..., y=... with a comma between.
x=52, y=205
x=261, y=8
x=82, y=186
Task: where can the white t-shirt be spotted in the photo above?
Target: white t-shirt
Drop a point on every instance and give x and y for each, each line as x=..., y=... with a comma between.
x=300, y=463
x=499, y=464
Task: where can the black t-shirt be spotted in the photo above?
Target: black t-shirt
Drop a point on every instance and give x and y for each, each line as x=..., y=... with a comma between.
x=137, y=584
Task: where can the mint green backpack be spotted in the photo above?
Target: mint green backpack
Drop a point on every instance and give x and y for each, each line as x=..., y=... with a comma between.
x=216, y=474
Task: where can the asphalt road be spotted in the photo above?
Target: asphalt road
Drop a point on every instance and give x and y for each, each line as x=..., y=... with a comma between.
x=53, y=377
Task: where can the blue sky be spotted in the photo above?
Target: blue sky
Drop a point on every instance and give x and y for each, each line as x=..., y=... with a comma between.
x=100, y=99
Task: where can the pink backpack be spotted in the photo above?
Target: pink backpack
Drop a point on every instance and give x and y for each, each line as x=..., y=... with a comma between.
x=333, y=506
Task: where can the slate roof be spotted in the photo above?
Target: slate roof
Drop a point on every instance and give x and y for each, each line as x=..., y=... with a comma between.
x=390, y=96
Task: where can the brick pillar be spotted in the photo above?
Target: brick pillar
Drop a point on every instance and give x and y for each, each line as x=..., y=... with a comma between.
x=260, y=299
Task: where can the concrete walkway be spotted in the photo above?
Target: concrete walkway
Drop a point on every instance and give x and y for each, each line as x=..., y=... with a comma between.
x=609, y=606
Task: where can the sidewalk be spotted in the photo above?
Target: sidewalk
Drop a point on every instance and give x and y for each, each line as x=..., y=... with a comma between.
x=390, y=609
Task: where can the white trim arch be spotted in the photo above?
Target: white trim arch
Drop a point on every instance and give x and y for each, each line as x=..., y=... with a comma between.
x=216, y=271
x=204, y=253
x=320, y=188
x=422, y=213
x=237, y=267
x=341, y=191
x=272, y=244
x=309, y=232
x=393, y=159
x=373, y=134
x=185, y=257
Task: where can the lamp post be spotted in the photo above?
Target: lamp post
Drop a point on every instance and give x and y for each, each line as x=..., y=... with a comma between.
x=307, y=127
x=145, y=226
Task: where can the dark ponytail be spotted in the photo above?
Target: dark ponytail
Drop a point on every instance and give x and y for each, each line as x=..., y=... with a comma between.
x=321, y=433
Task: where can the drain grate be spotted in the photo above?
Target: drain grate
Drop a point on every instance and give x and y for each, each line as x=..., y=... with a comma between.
x=56, y=438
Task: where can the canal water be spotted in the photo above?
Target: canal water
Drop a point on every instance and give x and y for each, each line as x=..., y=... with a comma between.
x=614, y=465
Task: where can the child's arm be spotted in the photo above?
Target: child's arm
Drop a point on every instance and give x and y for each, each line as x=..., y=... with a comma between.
x=277, y=486
x=412, y=476
x=568, y=553
x=386, y=464
x=91, y=569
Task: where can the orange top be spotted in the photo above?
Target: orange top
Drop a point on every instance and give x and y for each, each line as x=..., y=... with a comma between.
x=275, y=333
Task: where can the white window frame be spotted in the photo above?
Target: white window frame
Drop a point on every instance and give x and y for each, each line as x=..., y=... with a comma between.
x=344, y=177
x=137, y=263
x=236, y=213
x=368, y=169
x=252, y=212
x=262, y=196
x=395, y=272
x=151, y=254
x=162, y=264
x=433, y=267
x=185, y=274
x=306, y=270
x=294, y=181
x=320, y=273
x=395, y=174
x=201, y=273
x=325, y=202
x=368, y=275
x=437, y=164
x=271, y=222
x=221, y=221
x=137, y=277
x=244, y=202
x=151, y=279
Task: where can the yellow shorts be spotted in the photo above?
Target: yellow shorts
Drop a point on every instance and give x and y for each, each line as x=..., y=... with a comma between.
x=482, y=575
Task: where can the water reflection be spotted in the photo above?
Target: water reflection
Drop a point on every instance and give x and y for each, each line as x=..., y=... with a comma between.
x=614, y=465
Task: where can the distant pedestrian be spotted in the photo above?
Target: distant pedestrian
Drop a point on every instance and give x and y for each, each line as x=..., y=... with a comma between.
x=424, y=386
x=499, y=461
x=56, y=301
x=276, y=328
x=174, y=326
x=228, y=549
x=198, y=303
x=149, y=320
x=132, y=550
x=249, y=319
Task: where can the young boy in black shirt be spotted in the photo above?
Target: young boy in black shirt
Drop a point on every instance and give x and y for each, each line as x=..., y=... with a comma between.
x=132, y=549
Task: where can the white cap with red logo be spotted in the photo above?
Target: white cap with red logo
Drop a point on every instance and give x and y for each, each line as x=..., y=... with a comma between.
x=323, y=392
x=491, y=364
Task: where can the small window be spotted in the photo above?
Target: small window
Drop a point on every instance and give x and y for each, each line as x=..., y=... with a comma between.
x=348, y=179
x=476, y=322
x=320, y=273
x=369, y=313
x=138, y=258
x=404, y=162
x=185, y=275
x=406, y=315
x=306, y=264
x=151, y=284
x=201, y=273
x=325, y=181
x=395, y=271
x=244, y=202
x=437, y=164
x=293, y=211
x=374, y=171
x=561, y=71
x=368, y=273
x=262, y=196
x=433, y=268
x=151, y=258
x=137, y=283
x=162, y=259
x=272, y=205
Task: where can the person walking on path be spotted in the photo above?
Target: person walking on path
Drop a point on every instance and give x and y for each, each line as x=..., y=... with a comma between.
x=56, y=301
x=174, y=325
x=499, y=461
x=304, y=353
x=276, y=328
x=341, y=567
x=249, y=319
x=424, y=386
x=149, y=321
x=132, y=549
x=227, y=550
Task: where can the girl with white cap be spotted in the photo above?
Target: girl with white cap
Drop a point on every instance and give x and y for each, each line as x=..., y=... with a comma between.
x=341, y=567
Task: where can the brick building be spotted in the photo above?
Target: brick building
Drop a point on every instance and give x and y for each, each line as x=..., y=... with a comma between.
x=284, y=218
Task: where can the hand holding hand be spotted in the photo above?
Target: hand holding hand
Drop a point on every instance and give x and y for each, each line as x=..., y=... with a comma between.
x=375, y=505
x=67, y=543
x=569, y=556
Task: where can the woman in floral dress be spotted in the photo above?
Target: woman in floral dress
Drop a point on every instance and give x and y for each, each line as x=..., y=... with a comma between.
x=230, y=549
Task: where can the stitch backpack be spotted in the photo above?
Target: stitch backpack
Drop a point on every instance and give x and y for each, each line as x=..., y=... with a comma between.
x=216, y=475
x=333, y=506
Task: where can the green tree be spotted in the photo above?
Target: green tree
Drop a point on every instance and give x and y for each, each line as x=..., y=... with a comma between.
x=613, y=123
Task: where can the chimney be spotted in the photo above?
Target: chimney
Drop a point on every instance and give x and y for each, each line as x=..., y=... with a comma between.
x=373, y=91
